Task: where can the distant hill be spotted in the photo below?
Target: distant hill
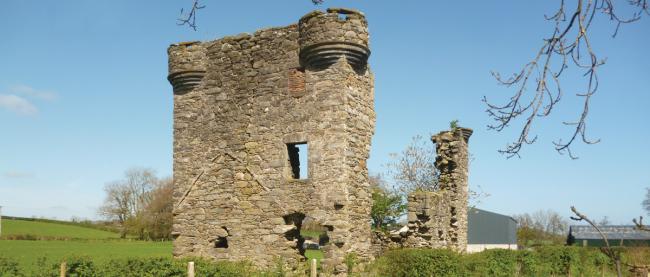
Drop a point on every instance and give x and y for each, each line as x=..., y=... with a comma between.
x=45, y=229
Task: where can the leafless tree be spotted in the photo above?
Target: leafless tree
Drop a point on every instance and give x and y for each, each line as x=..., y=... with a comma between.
x=646, y=202
x=139, y=181
x=116, y=205
x=604, y=221
x=127, y=199
x=414, y=168
x=159, y=210
x=545, y=220
x=540, y=227
x=646, y=206
x=569, y=44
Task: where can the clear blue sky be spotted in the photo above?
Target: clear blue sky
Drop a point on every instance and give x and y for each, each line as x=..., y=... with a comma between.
x=84, y=96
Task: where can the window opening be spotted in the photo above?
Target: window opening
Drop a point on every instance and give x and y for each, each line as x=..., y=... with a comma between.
x=298, y=160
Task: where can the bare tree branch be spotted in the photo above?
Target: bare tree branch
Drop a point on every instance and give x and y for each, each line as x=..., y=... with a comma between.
x=190, y=17
x=607, y=250
x=414, y=168
x=639, y=224
x=569, y=43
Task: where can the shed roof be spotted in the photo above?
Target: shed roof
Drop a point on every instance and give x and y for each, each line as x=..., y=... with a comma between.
x=613, y=232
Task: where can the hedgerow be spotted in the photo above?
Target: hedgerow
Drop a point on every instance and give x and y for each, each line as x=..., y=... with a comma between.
x=542, y=261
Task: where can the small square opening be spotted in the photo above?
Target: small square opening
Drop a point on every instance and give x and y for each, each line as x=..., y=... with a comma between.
x=298, y=160
x=221, y=242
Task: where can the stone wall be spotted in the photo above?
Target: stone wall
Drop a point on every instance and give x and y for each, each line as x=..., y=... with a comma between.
x=452, y=162
x=438, y=219
x=240, y=104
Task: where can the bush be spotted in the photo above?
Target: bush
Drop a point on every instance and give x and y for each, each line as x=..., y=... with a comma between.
x=493, y=262
x=167, y=267
x=539, y=261
x=76, y=266
x=146, y=267
x=419, y=262
x=211, y=268
x=351, y=260
x=136, y=267
x=528, y=263
x=9, y=267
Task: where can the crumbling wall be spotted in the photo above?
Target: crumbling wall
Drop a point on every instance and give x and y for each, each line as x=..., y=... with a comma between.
x=452, y=162
x=428, y=220
x=240, y=102
x=437, y=219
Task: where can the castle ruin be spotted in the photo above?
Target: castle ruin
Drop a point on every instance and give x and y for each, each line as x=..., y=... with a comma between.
x=242, y=106
x=274, y=128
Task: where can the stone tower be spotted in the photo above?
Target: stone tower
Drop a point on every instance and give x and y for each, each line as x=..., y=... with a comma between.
x=243, y=107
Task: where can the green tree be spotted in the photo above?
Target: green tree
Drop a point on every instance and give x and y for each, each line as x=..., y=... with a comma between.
x=387, y=205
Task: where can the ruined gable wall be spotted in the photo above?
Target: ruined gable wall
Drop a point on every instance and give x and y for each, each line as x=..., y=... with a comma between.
x=437, y=219
x=452, y=162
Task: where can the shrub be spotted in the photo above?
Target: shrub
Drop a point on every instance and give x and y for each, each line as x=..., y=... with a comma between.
x=9, y=267
x=539, y=261
x=528, y=263
x=499, y=262
x=76, y=266
x=80, y=267
x=146, y=267
x=221, y=268
x=351, y=261
x=154, y=267
x=419, y=262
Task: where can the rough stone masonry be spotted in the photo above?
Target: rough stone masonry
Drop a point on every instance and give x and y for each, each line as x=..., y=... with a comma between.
x=438, y=219
x=243, y=107
x=252, y=112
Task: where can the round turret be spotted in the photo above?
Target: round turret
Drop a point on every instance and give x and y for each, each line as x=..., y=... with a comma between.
x=187, y=63
x=326, y=37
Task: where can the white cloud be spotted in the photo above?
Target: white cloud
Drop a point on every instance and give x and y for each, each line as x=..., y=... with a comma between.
x=17, y=174
x=33, y=93
x=17, y=104
x=17, y=99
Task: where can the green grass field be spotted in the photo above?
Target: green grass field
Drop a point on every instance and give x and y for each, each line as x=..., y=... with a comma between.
x=311, y=233
x=27, y=252
x=98, y=244
x=47, y=229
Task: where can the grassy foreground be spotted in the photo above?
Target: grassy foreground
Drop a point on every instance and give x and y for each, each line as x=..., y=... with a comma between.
x=27, y=241
x=28, y=252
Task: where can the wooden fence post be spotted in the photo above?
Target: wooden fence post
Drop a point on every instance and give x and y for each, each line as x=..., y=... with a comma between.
x=63, y=269
x=314, y=269
x=190, y=269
